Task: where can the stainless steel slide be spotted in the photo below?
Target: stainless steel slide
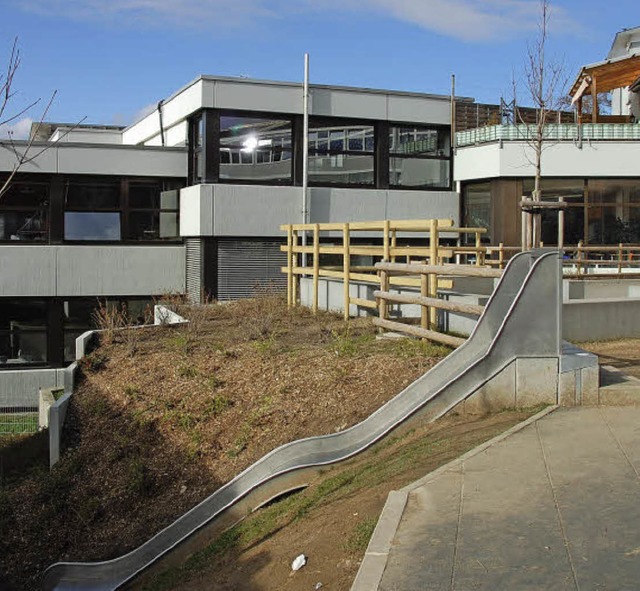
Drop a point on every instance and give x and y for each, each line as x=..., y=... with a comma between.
x=522, y=318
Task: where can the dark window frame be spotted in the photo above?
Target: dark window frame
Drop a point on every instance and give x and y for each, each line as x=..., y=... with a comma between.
x=30, y=179
x=316, y=122
x=441, y=158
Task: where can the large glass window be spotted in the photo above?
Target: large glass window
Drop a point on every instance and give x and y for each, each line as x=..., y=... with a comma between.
x=341, y=153
x=476, y=207
x=570, y=190
x=24, y=212
x=614, y=211
x=23, y=334
x=92, y=209
x=419, y=157
x=255, y=149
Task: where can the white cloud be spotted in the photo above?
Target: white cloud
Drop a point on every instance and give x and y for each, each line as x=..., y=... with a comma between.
x=17, y=130
x=467, y=20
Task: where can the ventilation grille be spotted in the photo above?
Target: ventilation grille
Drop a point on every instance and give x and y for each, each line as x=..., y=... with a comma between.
x=194, y=252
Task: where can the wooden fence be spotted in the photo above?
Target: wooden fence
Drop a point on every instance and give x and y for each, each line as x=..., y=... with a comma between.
x=427, y=300
x=580, y=260
x=396, y=240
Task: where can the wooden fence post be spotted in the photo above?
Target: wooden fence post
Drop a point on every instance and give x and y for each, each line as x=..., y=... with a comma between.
x=620, y=258
x=289, y=267
x=316, y=265
x=501, y=256
x=393, y=245
x=294, y=258
x=478, y=247
x=434, y=241
x=579, y=257
x=346, y=267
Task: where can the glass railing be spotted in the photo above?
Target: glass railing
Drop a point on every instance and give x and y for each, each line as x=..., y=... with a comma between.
x=552, y=132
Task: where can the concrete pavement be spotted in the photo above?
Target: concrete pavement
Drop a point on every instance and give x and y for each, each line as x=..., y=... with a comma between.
x=553, y=505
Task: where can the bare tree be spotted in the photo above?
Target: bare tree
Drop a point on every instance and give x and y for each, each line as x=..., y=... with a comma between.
x=544, y=84
x=23, y=152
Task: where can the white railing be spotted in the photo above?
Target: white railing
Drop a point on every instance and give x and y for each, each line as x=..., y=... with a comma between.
x=552, y=132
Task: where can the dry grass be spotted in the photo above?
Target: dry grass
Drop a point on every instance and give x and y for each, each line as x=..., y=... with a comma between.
x=152, y=433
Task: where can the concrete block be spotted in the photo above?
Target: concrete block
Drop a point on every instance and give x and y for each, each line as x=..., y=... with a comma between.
x=567, y=388
x=536, y=381
x=45, y=401
x=499, y=393
x=590, y=383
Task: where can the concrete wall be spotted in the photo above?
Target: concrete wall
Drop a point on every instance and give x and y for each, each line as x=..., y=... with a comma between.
x=331, y=297
x=19, y=388
x=563, y=159
x=582, y=320
x=601, y=289
x=58, y=271
x=69, y=158
x=601, y=319
x=248, y=210
x=286, y=97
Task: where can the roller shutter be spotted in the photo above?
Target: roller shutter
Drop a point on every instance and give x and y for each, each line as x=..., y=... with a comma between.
x=245, y=264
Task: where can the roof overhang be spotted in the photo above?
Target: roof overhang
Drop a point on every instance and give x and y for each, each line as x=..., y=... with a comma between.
x=608, y=74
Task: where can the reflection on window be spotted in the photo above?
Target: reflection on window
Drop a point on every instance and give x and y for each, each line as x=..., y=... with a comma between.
x=419, y=141
x=92, y=194
x=24, y=212
x=91, y=225
x=23, y=334
x=341, y=152
x=419, y=157
x=476, y=207
x=24, y=225
x=255, y=149
x=415, y=173
x=154, y=212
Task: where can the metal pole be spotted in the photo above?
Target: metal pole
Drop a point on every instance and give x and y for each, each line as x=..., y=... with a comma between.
x=453, y=113
x=305, y=154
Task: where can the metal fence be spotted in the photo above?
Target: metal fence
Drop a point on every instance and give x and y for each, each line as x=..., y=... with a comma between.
x=15, y=417
x=552, y=132
x=18, y=421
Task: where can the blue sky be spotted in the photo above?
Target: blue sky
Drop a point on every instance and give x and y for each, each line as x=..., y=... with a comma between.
x=111, y=59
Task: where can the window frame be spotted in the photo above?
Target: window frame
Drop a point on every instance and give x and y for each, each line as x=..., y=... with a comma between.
x=441, y=158
x=317, y=122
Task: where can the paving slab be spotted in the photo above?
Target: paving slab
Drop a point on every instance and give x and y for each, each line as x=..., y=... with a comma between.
x=553, y=506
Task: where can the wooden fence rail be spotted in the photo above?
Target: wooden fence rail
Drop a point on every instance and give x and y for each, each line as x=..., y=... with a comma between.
x=427, y=300
x=396, y=239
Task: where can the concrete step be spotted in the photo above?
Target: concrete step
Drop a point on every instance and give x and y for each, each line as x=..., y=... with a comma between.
x=618, y=388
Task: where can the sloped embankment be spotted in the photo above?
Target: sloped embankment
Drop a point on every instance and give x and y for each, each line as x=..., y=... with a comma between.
x=162, y=417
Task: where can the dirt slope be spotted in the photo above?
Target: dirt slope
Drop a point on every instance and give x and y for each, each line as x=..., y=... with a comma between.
x=161, y=418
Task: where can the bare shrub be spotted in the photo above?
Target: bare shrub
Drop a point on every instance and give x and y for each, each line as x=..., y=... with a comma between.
x=261, y=313
x=109, y=319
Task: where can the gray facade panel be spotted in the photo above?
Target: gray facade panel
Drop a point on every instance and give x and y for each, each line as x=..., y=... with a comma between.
x=51, y=271
x=346, y=205
x=404, y=205
x=240, y=210
x=121, y=161
x=128, y=270
x=272, y=98
x=259, y=211
x=418, y=110
x=336, y=103
x=27, y=271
